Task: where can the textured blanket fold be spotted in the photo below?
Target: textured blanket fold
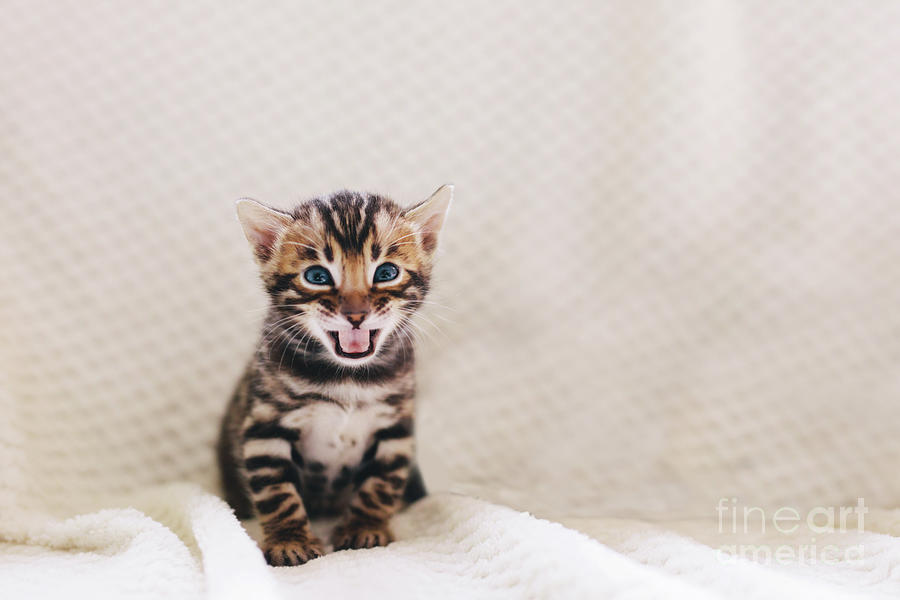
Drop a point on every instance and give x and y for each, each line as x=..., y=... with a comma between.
x=447, y=546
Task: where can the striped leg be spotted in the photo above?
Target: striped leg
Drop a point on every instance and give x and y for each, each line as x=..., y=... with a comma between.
x=379, y=493
x=273, y=481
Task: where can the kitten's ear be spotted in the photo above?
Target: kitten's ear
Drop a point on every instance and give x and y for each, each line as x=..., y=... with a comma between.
x=261, y=226
x=429, y=215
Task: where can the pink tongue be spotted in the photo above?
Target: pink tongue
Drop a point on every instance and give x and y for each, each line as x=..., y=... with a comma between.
x=354, y=340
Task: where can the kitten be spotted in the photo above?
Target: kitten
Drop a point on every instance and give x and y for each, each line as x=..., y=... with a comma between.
x=322, y=421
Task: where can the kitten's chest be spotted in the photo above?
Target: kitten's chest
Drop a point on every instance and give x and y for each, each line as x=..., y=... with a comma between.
x=335, y=435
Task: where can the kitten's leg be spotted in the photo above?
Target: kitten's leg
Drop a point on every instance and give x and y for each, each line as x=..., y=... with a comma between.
x=228, y=450
x=379, y=494
x=233, y=483
x=273, y=481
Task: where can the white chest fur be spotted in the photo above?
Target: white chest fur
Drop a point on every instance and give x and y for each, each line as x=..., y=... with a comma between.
x=338, y=433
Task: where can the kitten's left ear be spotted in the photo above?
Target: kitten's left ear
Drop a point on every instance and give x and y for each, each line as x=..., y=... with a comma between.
x=429, y=215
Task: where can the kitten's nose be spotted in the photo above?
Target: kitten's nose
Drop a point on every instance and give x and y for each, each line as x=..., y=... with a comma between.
x=355, y=306
x=356, y=318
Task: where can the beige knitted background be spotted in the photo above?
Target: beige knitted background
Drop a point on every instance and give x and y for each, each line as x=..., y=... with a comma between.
x=671, y=272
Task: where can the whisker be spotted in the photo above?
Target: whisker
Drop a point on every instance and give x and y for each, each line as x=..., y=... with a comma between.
x=282, y=319
x=420, y=329
x=432, y=323
x=402, y=237
x=286, y=346
x=276, y=332
x=313, y=248
x=401, y=328
x=443, y=318
x=277, y=327
x=428, y=332
x=424, y=316
x=433, y=303
x=393, y=225
x=308, y=337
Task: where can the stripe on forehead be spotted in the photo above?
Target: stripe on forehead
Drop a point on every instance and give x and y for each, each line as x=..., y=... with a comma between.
x=350, y=218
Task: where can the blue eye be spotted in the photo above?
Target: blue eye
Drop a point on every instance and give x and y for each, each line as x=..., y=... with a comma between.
x=386, y=272
x=318, y=276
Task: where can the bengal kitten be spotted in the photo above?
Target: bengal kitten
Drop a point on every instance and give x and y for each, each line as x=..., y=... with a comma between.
x=322, y=421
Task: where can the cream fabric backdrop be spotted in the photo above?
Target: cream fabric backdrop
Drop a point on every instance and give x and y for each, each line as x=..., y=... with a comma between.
x=671, y=273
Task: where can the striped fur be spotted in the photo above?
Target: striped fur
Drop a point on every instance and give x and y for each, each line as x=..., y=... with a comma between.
x=313, y=428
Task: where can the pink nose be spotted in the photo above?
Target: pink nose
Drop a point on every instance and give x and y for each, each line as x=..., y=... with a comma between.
x=355, y=318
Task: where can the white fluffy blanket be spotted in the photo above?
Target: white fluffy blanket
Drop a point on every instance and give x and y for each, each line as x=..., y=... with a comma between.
x=181, y=542
x=178, y=542
x=668, y=292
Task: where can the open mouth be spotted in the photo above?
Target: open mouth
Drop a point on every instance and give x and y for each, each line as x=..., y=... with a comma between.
x=354, y=343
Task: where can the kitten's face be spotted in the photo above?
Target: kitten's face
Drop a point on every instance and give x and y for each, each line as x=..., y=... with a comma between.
x=348, y=270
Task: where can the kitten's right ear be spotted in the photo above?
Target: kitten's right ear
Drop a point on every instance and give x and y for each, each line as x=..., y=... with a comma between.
x=261, y=226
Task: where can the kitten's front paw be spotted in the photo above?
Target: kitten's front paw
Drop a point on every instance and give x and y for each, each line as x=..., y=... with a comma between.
x=362, y=535
x=288, y=554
